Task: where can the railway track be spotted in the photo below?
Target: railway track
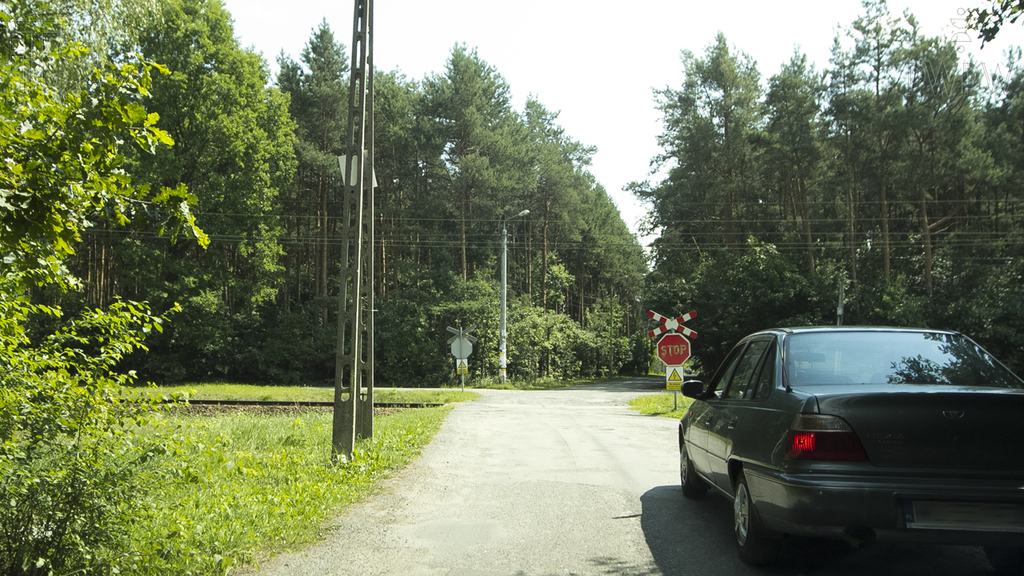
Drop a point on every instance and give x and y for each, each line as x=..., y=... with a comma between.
x=307, y=404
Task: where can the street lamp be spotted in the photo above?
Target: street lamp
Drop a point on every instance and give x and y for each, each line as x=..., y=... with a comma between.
x=502, y=359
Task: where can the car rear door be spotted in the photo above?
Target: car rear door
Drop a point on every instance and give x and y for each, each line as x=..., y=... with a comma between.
x=725, y=412
x=701, y=411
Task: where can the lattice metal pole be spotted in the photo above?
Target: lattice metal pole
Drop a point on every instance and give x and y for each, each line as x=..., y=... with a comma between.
x=364, y=413
x=353, y=379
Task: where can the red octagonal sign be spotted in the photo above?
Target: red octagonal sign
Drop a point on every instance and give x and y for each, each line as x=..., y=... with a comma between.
x=673, y=349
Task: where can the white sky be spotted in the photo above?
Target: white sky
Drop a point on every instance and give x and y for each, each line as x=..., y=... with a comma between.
x=596, y=62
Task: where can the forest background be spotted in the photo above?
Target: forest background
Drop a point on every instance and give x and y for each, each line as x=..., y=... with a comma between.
x=161, y=192
x=892, y=177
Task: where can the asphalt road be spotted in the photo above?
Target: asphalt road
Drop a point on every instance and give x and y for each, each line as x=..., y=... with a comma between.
x=568, y=481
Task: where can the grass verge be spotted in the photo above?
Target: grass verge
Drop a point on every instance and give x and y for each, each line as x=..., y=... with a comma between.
x=661, y=405
x=304, y=394
x=252, y=485
x=225, y=391
x=538, y=384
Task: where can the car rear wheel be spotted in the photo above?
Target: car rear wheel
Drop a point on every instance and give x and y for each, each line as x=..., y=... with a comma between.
x=1007, y=560
x=693, y=486
x=752, y=544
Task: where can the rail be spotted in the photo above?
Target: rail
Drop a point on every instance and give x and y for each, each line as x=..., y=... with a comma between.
x=306, y=404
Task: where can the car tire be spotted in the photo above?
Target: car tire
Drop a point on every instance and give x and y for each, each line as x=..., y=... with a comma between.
x=1007, y=560
x=754, y=546
x=693, y=485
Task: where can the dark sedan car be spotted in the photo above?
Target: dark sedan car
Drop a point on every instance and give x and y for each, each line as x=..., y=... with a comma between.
x=861, y=434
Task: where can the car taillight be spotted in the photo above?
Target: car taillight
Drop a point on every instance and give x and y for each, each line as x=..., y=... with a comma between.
x=818, y=437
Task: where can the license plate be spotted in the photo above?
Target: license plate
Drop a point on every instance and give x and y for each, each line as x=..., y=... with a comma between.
x=981, y=516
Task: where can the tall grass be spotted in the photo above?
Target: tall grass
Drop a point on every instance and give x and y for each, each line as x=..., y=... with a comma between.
x=544, y=383
x=251, y=485
x=304, y=394
x=665, y=405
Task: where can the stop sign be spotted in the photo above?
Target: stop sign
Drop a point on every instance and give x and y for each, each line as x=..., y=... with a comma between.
x=461, y=348
x=673, y=349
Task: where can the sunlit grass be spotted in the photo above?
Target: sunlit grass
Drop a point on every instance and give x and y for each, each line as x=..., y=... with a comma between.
x=302, y=394
x=536, y=384
x=252, y=485
x=667, y=405
x=248, y=392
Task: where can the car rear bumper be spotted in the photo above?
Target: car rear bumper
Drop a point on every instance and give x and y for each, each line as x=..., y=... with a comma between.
x=860, y=507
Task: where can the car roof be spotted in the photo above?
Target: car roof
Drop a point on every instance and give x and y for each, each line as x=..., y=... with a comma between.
x=826, y=329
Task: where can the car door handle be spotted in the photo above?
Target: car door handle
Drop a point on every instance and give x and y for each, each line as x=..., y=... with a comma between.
x=732, y=423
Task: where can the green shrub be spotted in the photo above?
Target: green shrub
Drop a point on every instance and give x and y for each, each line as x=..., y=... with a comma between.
x=72, y=460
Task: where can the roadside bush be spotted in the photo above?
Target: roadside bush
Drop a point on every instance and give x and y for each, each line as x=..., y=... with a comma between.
x=641, y=354
x=296, y=349
x=542, y=344
x=72, y=461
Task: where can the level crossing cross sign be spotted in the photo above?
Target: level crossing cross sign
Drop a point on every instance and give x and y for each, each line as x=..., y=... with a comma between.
x=462, y=347
x=673, y=348
x=672, y=324
x=462, y=342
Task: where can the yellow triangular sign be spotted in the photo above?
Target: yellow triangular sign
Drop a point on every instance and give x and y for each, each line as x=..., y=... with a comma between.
x=675, y=376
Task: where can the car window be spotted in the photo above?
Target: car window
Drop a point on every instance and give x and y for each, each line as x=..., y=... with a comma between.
x=766, y=377
x=905, y=358
x=745, y=369
x=721, y=378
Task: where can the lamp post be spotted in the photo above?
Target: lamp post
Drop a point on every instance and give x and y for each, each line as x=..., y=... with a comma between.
x=502, y=357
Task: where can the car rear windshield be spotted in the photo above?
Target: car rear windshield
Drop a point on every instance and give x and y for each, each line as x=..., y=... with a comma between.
x=892, y=358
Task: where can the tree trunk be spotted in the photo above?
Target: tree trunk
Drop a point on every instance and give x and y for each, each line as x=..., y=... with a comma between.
x=883, y=194
x=529, y=262
x=544, y=259
x=851, y=198
x=321, y=287
x=582, y=310
x=462, y=239
x=805, y=214
x=464, y=200
x=926, y=239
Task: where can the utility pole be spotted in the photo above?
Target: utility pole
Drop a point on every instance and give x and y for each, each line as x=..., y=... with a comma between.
x=502, y=332
x=353, y=373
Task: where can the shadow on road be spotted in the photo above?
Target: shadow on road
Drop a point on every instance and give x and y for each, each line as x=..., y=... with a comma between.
x=694, y=537
x=686, y=537
x=634, y=384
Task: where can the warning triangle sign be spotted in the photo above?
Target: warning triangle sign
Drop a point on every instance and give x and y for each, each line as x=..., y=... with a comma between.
x=674, y=377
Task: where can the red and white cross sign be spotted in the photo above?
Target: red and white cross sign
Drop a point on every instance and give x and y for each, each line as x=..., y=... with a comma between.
x=672, y=324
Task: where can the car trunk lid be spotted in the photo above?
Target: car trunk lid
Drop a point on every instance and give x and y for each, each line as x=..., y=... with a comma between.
x=935, y=427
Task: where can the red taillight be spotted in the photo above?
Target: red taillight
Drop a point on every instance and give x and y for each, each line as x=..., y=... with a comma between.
x=802, y=442
x=815, y=437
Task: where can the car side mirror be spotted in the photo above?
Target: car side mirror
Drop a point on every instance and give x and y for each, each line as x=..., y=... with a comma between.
x=693, y=389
